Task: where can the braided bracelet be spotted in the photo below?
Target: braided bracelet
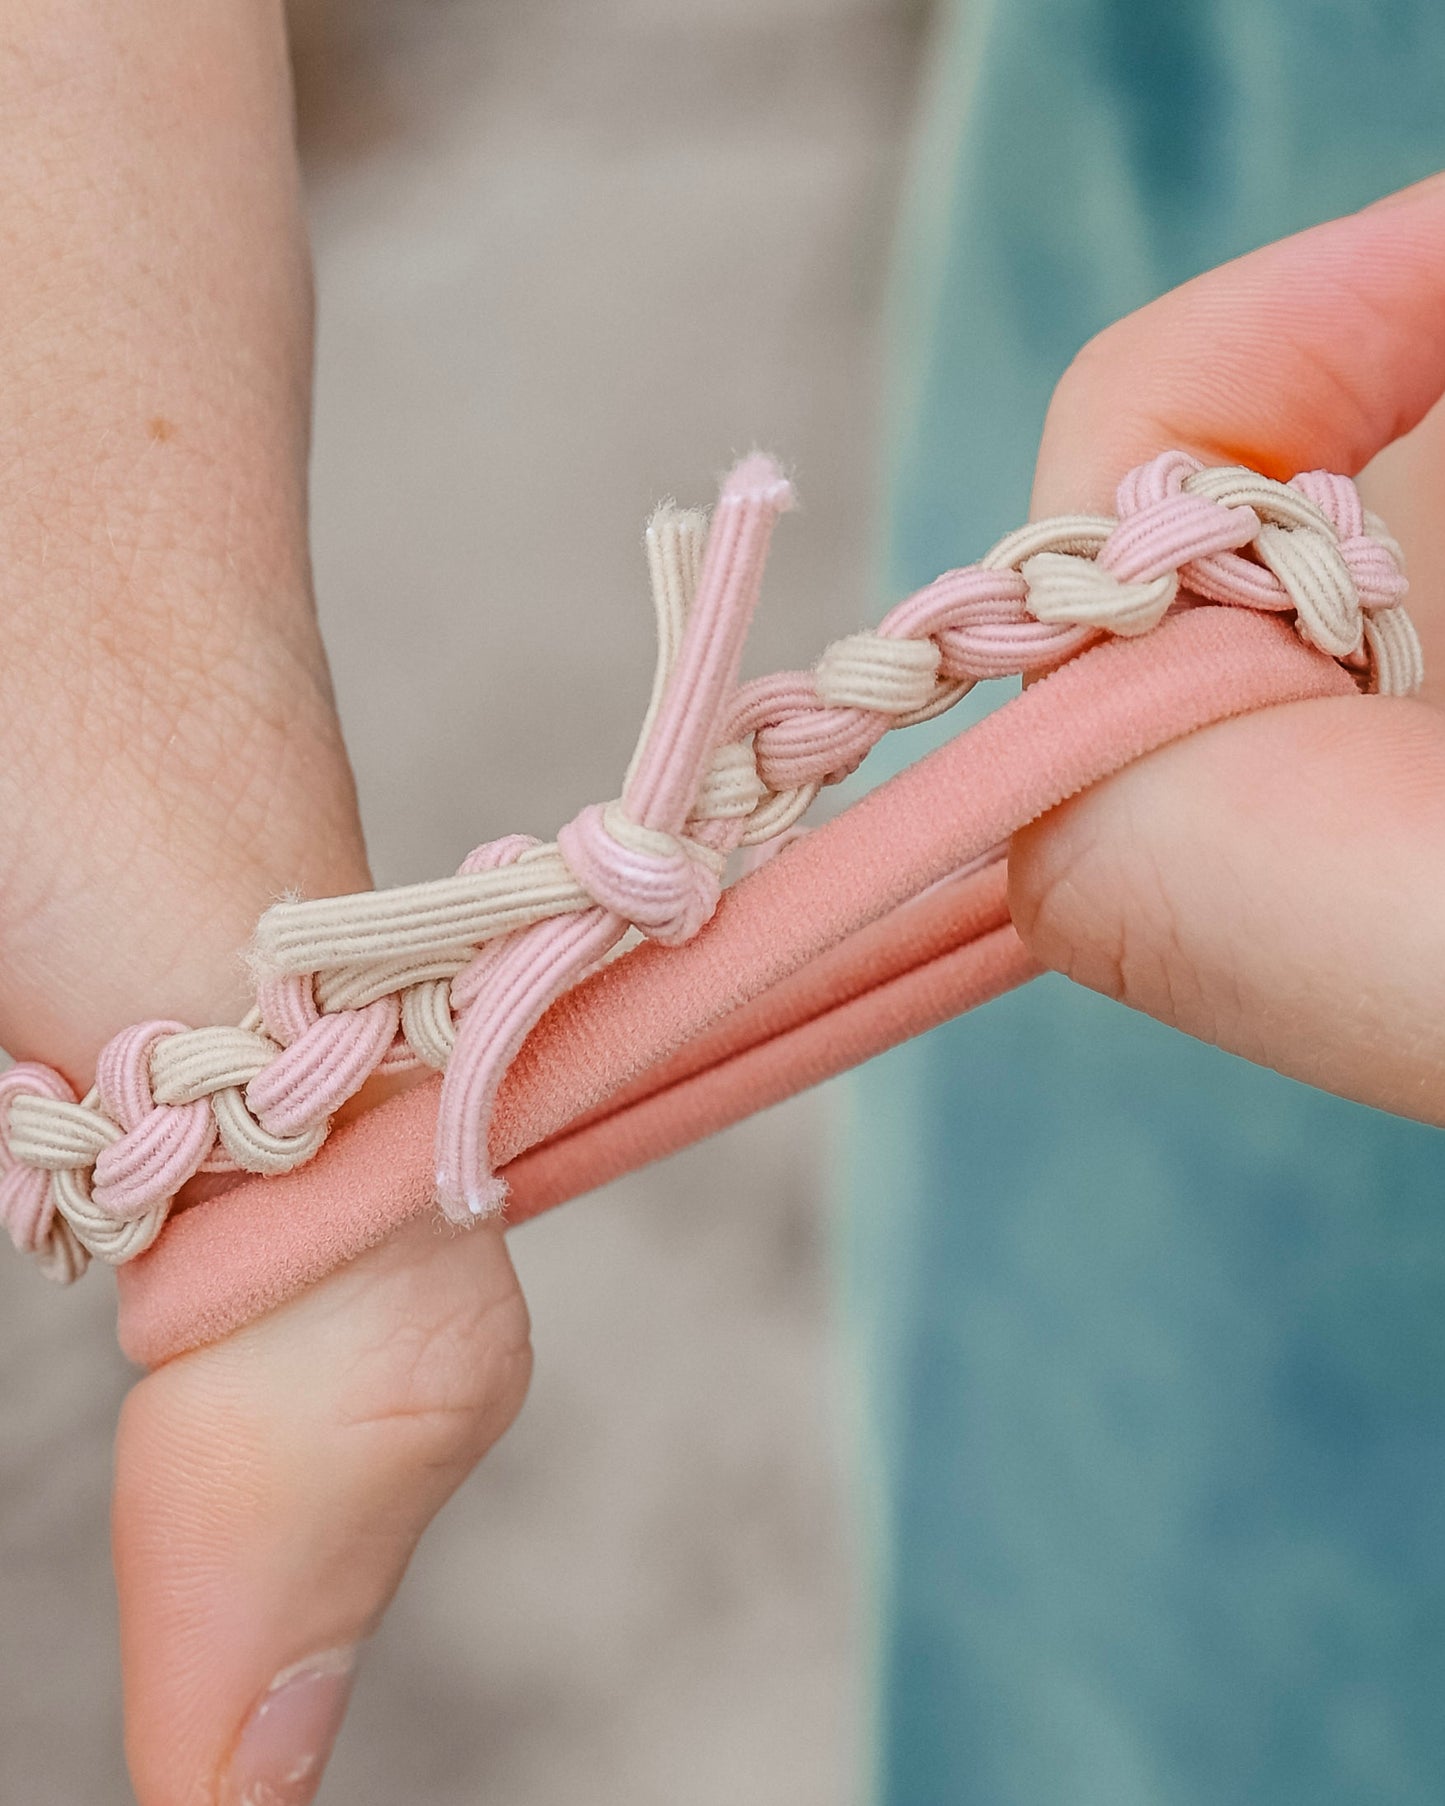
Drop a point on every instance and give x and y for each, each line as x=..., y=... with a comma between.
x=453, y=974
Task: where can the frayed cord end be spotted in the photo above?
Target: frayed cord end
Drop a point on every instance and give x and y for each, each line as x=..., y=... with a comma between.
x=759, y=478
x=259, y=957
x=468, y=1205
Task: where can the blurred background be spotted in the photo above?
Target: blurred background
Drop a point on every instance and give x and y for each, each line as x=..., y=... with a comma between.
x=571, y=258
x=940, y=1450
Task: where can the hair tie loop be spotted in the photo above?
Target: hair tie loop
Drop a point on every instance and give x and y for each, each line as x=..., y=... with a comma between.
x=453, y=974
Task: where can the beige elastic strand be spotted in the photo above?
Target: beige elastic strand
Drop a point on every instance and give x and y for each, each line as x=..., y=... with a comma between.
x=347, y=986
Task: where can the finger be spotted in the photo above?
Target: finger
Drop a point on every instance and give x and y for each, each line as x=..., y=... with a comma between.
x=169, y=753
x=1405, y=485
x=1318, y=350
x=1271, y=884
x=170, y=760
x=269, y=1492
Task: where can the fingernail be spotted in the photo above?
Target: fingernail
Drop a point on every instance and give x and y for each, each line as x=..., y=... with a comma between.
x=283, y=1748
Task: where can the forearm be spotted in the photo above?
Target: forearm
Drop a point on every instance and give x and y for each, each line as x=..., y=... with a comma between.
x=169, y=758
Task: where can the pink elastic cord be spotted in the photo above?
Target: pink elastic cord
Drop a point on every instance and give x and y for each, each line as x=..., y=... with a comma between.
x=633, y=859
x=837, y=897
x=454, y=972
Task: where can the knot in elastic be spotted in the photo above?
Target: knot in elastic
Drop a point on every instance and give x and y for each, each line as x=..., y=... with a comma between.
x=435, y=1025
x=162, y=1146
x=326, y=1063
x=1299, y=558
x=664, y=884
x=27, y=1210
x=1164, y=526
x=287, y=1005
x=1068, y=590
x=731, y=788
x=1371, y=556
x=492, y=855
x=64, y=1139
x=1341, y=572
x=885, y=675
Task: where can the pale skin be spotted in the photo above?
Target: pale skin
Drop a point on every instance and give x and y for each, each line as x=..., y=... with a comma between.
x=170, y=761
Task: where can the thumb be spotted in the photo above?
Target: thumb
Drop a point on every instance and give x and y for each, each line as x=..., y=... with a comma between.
x=1272, y=884
x=269, y=1492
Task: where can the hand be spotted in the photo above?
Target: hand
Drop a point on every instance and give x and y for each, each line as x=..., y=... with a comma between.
x=170, y=762
x=1274, y=884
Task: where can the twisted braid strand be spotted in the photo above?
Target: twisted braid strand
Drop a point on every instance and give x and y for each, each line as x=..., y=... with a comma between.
x=453, y=974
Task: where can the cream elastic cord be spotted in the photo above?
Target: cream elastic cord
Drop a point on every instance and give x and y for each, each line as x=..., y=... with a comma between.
x=875, y=926
x=455, y=973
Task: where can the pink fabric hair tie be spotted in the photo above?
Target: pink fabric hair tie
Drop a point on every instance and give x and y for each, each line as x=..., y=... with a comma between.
x=823, y=956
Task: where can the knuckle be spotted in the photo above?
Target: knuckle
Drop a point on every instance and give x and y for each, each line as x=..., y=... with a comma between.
x=1056, y=872
x=1109, y=401
x=444, y=1369
x=1092, y=367
x=1088, y=390
x=1093, y=900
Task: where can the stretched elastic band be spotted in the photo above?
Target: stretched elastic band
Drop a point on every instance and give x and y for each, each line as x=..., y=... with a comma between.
x=831, y=898
x=455, y=973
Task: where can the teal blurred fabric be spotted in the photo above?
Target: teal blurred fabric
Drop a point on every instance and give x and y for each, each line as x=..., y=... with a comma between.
x=1152, y=1342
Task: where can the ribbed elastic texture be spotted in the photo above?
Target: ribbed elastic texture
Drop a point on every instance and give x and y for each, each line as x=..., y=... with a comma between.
x=827, y=954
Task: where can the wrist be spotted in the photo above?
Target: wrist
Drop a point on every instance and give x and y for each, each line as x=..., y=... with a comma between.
x=169, y=756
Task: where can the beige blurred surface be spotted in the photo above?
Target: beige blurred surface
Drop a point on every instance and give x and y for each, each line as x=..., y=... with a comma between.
x=572, y=255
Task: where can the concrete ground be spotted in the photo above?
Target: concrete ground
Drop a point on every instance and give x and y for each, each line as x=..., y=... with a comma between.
x=571, y=258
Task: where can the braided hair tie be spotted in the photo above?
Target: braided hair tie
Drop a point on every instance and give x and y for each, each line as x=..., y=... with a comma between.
x=1153, y=623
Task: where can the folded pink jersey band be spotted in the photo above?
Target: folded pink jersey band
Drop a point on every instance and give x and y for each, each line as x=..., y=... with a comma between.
x=853, y=939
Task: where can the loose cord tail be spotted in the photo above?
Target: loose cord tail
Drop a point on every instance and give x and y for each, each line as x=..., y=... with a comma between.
x=632, y=856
